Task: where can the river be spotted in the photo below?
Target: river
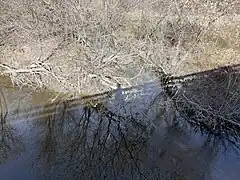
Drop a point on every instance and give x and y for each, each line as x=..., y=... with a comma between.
x=121, y=136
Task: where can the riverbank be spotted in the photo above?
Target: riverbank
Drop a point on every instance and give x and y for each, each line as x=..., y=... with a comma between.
x=89, y=47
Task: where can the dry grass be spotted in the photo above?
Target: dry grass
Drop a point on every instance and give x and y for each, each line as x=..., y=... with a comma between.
x=89, y=46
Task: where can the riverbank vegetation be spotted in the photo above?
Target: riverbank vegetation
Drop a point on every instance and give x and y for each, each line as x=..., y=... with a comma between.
x=88, y=46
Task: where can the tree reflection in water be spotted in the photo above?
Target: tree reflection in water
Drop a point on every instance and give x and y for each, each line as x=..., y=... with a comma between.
x=93, y=142
x=11, y=144
x=133, y=139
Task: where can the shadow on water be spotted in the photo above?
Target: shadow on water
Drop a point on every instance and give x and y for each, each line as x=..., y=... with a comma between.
x=210, y=101
x=183, y=128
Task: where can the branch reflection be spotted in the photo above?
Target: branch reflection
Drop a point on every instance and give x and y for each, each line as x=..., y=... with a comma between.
x=11, y=145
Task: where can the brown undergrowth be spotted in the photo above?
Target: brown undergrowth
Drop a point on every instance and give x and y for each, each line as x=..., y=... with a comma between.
x=88, y=47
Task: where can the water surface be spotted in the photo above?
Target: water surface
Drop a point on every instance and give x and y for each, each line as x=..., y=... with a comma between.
x=121, y=136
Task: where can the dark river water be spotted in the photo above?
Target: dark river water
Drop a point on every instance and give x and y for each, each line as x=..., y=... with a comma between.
x=122, y=136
